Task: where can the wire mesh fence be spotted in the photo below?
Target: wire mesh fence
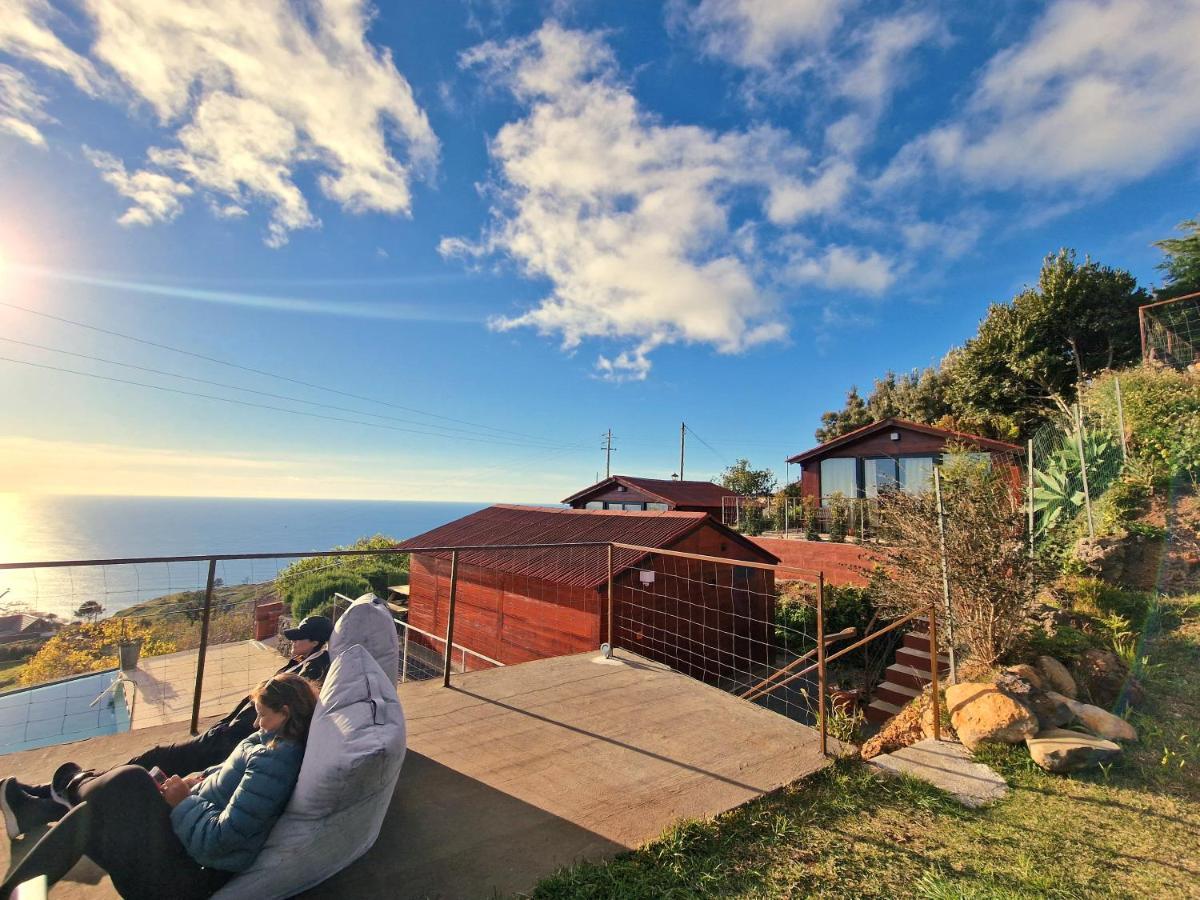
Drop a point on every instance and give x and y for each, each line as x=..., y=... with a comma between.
x=833, y=518
x=1170, y=331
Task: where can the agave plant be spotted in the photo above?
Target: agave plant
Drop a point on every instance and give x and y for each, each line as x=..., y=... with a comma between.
x=1057, y=491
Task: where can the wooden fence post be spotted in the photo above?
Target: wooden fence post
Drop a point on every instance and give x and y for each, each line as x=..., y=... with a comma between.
x=821, y=664
x=208, y=596
x=450, y=618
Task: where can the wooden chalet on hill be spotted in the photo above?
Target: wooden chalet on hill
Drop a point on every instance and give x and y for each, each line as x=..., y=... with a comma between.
x=889, y=454
x=515, y=606
x=625, y=492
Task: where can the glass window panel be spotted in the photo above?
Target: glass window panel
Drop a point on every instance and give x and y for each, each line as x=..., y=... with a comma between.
x=916, y=474
x=594, y=504
x=879, y=475
x=839, y=474
x=659, y=506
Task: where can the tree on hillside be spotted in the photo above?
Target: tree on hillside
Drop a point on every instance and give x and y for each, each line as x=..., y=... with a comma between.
x=838, y=422
x=1030, y=353
x=1182, y=263
x=89, y=610
x=1024, y=362
x=748, y=482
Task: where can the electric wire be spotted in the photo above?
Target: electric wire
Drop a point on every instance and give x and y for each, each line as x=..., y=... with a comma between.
x=294, y=412
x=250, y=369
x=234, y=387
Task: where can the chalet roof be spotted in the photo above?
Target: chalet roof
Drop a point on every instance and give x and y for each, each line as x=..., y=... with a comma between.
x=574, y=566
x=679, y=493
x=867, y=430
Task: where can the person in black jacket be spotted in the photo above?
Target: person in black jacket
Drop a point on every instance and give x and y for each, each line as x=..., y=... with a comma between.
x=28, y=806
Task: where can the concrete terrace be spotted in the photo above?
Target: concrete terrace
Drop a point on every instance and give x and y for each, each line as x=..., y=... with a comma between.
x=514, y=772
x=166, y=684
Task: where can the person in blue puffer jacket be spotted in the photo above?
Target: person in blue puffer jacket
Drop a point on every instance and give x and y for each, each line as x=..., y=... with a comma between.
x=184, y=838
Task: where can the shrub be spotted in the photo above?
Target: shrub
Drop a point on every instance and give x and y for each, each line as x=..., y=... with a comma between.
x=88, y=647
x=796, y=613
x=306, y=593
x=1162, y=420
x=993, y=580
x=1099, y=599
x=1122, y=504
x=839, y=518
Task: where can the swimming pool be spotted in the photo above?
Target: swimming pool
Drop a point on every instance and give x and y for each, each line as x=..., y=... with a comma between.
x=66, y=710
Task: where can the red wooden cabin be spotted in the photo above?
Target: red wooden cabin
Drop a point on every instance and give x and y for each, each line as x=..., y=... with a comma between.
x=890, y=453
x=624, y=492
x=518, y=605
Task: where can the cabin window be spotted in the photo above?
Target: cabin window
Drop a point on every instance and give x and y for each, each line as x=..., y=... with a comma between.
x=880, y=476
x=656, y=506
x=839, y=475
x=594, y=504
x=916, y=474
x=742, y=574
x=629, y=507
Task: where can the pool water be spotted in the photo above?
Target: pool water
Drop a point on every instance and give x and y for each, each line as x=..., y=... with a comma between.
x=62, y=711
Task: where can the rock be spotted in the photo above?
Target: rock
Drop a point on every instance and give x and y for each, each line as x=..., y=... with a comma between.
x=1056, y=677
x=1059, y=750
x=982, y=712
x=1106, y=680
x=1104, y=724
x=1026, y=673
x=1052, y=710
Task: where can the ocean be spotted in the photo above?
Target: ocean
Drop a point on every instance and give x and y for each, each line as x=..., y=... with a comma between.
x=37, y=527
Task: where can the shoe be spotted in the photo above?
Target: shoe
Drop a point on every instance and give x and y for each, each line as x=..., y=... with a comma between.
x=61, y=780
x=23, y=812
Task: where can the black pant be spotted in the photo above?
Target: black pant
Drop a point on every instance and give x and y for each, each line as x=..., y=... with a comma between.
x=124, y=825
x=196, y=754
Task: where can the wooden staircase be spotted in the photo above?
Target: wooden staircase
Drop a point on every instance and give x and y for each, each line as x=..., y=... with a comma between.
x=907, y=676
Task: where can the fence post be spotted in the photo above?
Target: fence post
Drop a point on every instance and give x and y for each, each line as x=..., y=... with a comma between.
x=203, y=652
x=933, y=673
x=941, y=511
x=1029, y=488
x=1087, y=494
x=611, y=648
x=821, y=664
x=1121, y=420
x=404, y=662
x=450, y=618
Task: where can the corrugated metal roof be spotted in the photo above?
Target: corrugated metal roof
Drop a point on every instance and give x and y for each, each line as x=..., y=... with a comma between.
x=681, y=493
x=575, y=566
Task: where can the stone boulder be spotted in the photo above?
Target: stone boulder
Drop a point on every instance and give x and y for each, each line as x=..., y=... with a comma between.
x=1104, y=724
x=1055, y=677
x=1026, y=673
x=1052, y=710
x=982, y=712
x=1106, y=680
x=1059, y=750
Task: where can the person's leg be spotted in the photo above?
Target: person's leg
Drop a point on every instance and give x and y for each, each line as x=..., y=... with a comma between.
x=127, y=832
x=196, y=754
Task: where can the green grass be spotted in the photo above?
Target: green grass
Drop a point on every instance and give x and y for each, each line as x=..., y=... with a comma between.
x=1129, y=830
x=10, y=673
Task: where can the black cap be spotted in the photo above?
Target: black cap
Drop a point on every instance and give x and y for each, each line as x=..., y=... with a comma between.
x=311, y=628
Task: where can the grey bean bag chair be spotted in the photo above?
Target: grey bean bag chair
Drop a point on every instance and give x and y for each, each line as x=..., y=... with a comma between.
x=356, y=746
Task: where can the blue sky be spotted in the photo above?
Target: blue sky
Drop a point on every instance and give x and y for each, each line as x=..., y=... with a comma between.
x=538, y=221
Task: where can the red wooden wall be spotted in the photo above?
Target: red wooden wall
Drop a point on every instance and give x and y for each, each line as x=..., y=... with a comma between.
x=693, y=618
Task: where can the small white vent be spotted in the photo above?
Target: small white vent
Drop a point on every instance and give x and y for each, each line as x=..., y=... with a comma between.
x=646, y=576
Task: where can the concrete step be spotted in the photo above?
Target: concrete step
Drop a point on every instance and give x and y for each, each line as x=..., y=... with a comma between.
x=898, y=694
x=919, y=659
x=880, y=711
x=909, y=676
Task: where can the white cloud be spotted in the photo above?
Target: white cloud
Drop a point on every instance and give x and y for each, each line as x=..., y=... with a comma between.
x=21, y=107
x=627, y=218
x=756, y=33
x=25, y=32
x=845, y=268
x=154, y=197
x=1100, y=90
x=255, y=93
x=792, y=199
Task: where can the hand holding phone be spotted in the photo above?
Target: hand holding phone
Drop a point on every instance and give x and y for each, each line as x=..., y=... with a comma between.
x=158, y=775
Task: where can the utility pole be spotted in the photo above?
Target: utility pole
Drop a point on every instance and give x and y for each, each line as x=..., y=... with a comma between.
x=608, y=448
x=682, y=438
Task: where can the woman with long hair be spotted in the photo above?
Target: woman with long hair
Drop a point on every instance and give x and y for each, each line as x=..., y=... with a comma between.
x=185, y=837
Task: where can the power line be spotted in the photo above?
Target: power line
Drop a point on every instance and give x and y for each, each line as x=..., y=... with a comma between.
x=235, y=387
x=223, y=362
x=721, y=456
x=294, y=412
